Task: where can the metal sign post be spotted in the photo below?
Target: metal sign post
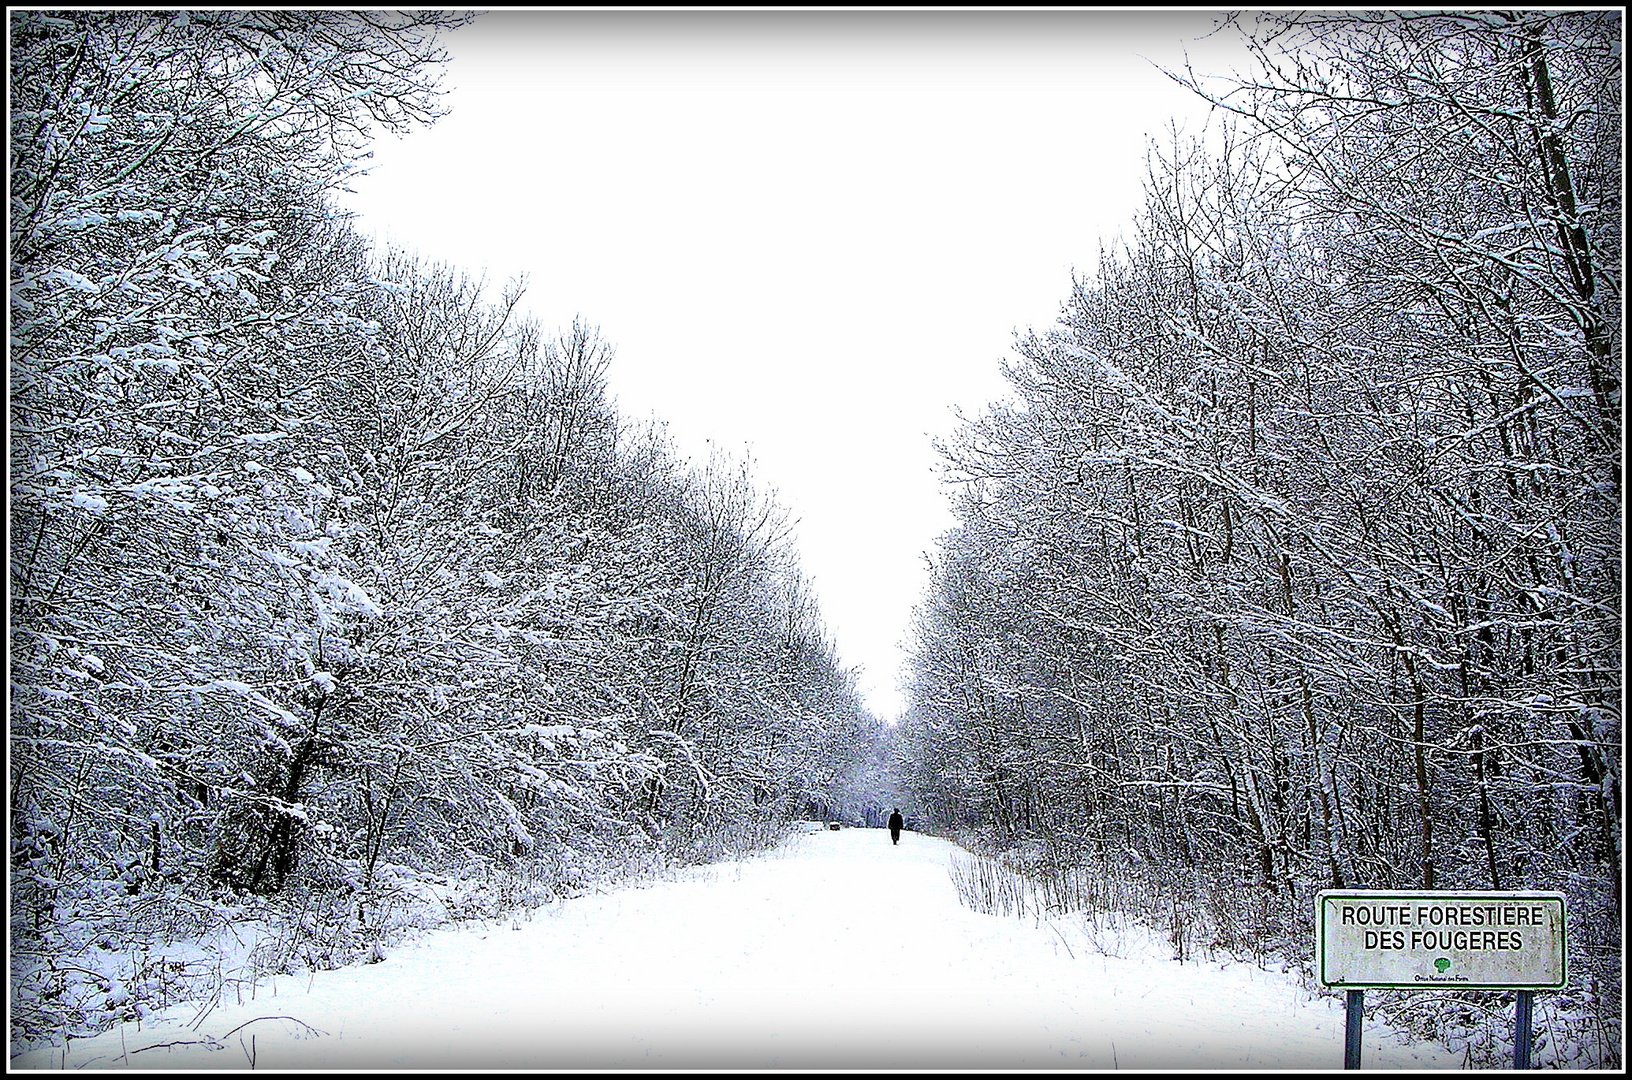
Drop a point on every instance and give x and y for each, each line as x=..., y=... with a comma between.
x=1354, y=1010
x=1522, y=1032
x=1367, y=939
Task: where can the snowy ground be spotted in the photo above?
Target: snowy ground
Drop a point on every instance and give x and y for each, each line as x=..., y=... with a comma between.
x=837, y=950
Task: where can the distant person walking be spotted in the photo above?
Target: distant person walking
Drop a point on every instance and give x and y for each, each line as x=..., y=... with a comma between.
x=895, y=826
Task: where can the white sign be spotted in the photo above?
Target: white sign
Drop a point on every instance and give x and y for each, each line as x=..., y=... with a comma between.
x=1424, y=940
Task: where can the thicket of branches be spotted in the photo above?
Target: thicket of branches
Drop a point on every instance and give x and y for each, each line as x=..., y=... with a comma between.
x=1294, y=560
x=332, y=577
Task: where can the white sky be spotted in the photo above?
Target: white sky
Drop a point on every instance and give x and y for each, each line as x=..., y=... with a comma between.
x=835, y=951
x=809, y=235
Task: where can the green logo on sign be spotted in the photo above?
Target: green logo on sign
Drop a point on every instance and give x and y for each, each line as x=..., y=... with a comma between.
x=1443, y=964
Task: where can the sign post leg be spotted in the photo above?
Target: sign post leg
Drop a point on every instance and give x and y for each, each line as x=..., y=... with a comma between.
x=1521, y=1028
x=1354, y=1007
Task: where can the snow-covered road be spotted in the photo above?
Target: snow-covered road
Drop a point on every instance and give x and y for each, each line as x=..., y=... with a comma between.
x=837, y=950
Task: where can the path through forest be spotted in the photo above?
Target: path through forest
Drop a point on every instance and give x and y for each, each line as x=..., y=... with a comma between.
x=836, y=950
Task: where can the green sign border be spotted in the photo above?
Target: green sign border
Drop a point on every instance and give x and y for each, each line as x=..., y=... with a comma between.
x=1366, y=895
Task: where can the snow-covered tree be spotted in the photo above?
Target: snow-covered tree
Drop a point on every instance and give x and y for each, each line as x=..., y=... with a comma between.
x=337, y=583
x=1295, y=555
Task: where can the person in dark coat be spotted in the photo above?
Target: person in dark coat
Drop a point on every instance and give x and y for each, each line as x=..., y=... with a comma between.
x=895, y=826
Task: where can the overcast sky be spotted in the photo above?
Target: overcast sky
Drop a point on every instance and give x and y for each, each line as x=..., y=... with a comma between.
x=809, y=235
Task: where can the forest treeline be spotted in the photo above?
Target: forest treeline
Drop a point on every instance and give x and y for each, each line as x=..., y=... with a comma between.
x=333, y=579
x=1293, y=559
